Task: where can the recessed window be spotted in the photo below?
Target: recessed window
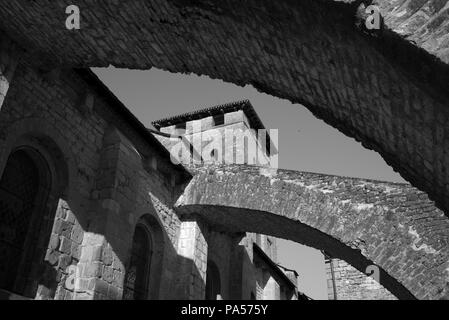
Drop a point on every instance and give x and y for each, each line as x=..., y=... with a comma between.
x=213, y=154
x=23, y=200
x=219, y=119
x=137, y=273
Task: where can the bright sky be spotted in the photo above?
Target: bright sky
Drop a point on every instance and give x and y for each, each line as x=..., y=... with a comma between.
x=305, y=143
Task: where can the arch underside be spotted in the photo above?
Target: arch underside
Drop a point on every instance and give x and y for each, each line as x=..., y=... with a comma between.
x=387, y=89
x=363, y=222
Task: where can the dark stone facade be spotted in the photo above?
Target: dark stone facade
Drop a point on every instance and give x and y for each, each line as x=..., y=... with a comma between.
x=387, y=90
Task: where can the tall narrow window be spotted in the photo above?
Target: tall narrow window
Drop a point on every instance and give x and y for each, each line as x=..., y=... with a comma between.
x=22, y=196
x=213, y=283
x=137, y=274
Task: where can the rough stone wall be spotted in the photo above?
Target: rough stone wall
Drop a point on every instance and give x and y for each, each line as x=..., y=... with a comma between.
x=363, y=222
x=344, y=282
x=36, y=107
x=383, y=88
x=421, y=22
x=64, y=250
x=110, y=184
x=113, y=178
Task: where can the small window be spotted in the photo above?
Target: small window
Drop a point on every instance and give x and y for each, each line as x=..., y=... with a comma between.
x=219, y=119
x=214, y=154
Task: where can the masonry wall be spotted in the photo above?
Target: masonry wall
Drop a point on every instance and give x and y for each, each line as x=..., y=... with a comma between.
x=109, y=184
x=344, y=282
x=111, y=178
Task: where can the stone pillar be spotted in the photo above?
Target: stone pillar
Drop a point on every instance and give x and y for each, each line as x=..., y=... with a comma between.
x=192, y=252
x=107, y=242
x=9, y=58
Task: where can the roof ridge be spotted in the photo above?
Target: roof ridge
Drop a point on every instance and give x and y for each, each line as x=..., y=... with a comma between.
x=243, y=104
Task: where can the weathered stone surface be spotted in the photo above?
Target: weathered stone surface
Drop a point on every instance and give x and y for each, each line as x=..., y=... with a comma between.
x=387, y=89
x=394, y=226
x=46, y=113
x=347, y=283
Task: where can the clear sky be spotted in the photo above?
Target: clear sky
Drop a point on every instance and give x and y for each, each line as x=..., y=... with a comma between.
x=305, y=143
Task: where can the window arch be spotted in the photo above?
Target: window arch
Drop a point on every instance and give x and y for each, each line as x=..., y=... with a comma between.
x=24, y=193
x=138, y=271
x=213, y=282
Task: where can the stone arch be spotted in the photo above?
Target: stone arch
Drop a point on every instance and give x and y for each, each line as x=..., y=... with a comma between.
x=42, y=136
x=32, y=138
x=385, y=88
x=363, y=222
x=43, y=141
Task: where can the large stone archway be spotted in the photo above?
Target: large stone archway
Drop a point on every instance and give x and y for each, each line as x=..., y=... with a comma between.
x=394, y=226
x=387, y=89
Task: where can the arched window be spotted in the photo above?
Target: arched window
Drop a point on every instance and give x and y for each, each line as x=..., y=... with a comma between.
x=24, y=190
x=213, y=283
x=138, y=271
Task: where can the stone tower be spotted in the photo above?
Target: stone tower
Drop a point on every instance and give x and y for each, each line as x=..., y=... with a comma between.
x=206, y=134
x=228, y=134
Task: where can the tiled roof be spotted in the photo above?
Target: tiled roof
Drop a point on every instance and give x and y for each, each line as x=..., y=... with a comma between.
x=243, y=105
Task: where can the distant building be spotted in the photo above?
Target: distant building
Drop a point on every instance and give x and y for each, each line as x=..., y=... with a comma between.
x=257, y=276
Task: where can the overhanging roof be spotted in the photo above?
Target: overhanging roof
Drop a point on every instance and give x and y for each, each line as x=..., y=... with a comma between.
x=244, y=105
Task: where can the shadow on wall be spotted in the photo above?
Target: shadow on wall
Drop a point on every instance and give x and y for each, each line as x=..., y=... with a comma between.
x=74, y=230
